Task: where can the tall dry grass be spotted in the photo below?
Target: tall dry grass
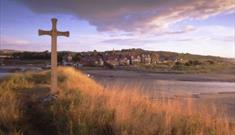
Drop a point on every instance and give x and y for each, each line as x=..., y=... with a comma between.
x=83, y=107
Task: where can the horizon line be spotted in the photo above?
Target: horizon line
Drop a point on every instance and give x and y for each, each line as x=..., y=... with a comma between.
x=38, y=51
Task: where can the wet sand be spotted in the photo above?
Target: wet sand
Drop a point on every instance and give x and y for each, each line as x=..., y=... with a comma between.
x=163, y=76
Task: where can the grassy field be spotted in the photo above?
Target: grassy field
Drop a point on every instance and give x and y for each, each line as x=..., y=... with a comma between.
x=191, y=66
x=84, y=107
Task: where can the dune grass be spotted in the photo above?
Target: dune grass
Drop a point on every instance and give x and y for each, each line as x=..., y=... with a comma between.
x=83, y=107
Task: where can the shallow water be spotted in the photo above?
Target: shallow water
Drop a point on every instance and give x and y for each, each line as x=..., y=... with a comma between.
x=171, y=86
x=221, y=94
x=3, y=74
x=153, y=84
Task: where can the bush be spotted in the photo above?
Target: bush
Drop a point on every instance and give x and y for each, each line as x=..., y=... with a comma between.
x=193, y=63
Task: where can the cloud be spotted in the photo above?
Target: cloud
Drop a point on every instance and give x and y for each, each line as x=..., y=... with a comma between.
x=207, y=34
x=133, y=15
x=134, y=42
x=229, y=38
x=141, y=42
x=13, y=41
x=183, y=30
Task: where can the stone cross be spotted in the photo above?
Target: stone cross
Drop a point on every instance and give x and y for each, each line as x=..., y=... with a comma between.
x=53, y=33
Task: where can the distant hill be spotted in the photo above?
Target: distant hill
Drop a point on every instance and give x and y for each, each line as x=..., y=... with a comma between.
x=128, y=59
x=7, y=51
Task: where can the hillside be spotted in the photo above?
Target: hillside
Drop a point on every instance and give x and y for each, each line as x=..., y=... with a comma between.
x=127, y=59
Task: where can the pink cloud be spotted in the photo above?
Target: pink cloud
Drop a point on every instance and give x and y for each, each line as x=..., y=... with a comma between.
x=133, y=15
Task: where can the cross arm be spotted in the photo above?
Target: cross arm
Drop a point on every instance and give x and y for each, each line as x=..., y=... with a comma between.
x=43, y=32
x=61, y=33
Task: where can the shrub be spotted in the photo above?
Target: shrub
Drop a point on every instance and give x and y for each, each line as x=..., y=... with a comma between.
x=193, y=63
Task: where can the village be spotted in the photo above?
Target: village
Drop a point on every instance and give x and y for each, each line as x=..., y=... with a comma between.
x=115, y=58
x=126, y=59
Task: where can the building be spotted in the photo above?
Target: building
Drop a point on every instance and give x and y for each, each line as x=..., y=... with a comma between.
x=91, y=61
x=135, y=59
x=146, y=59
x=154, y=58
x=123, y=61
x=112, y=61
x=67, y=60
x=101, y=62
x=98, y=62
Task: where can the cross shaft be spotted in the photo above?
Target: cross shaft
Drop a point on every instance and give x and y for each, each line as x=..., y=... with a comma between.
x=53, y=33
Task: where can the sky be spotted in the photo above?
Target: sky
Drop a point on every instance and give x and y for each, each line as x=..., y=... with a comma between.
x=205, y=27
